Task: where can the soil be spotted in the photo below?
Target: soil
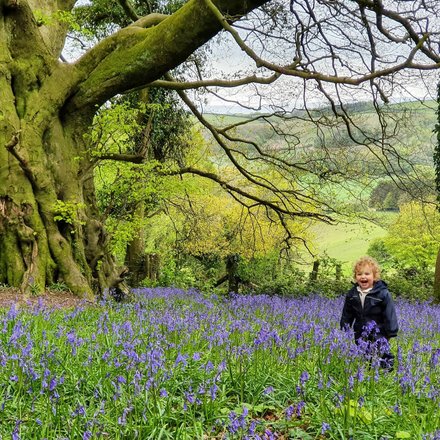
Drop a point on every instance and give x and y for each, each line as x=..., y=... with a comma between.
x=64, y=300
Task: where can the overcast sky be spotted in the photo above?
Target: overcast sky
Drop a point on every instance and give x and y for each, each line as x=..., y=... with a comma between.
x=227, y=59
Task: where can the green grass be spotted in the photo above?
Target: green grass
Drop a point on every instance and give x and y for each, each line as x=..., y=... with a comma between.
x=347, y=242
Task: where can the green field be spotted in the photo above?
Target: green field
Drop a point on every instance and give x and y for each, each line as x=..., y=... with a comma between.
x=346, y=242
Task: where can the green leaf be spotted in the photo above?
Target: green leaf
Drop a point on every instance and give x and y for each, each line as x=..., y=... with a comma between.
x=365, y=416
x=298, y=433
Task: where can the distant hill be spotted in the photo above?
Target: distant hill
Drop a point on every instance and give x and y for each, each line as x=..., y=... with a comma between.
x=410, y=123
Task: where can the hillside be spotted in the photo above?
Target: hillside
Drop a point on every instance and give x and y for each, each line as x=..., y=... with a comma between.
x=411, y=125
x=410, y=150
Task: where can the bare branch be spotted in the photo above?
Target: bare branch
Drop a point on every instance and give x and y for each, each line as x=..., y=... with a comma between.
x=299, y=70
x=131, y=158
x=128, y=9
x=253, y=79
x=274, y=205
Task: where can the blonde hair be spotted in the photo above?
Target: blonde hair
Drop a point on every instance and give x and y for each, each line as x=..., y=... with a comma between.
x=367, y=261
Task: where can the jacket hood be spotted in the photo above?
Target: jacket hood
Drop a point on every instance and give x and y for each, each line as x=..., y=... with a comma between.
x=379, y=285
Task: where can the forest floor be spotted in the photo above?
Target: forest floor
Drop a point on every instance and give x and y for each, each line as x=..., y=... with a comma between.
x=63, y=300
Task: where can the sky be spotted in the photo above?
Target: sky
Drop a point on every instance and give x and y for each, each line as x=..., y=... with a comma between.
x=227, y=59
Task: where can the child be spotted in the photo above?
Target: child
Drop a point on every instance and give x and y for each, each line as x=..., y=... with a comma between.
x=369, y=308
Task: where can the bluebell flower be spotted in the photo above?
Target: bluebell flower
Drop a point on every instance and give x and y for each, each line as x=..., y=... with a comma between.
x=268, y=390
x=325, y=427
x=181, y=359
x=289, y=412
x=305, y=376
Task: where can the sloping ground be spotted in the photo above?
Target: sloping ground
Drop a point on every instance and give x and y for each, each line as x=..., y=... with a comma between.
x=10, y=296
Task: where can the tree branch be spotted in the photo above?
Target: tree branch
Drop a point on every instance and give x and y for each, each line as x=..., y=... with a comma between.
x=286, y=196
x=128, y=9
x=274, y=205
x=177, y=85
x=149, y=20
x=132, y=158
x=135, y=56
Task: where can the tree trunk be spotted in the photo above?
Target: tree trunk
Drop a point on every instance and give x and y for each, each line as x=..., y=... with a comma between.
x=136, y=259
x=232, y=272
x=436, y=157
x=437, y=279
x=50, y=229
x=314, y=273
x=49, y=222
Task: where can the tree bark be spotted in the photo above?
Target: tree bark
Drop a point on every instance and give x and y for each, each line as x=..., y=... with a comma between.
x=315, y=270
x=50, y=226
x=437, y=279
x=136, y=259
x=232, y=272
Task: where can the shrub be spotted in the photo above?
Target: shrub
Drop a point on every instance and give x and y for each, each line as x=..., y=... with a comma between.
x=414, y=285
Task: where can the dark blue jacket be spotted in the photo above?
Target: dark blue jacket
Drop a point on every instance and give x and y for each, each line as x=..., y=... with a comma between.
x=378, y=307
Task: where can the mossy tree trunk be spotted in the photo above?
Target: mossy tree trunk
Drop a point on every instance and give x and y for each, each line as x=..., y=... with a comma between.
x=50, y=227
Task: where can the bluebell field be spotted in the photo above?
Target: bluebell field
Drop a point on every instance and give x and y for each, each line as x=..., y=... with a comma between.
x=182, y=365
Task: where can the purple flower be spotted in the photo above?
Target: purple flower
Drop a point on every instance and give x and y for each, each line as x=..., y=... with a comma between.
x=325, y=427
x=213, y=391
x=16, y=431
x=299, y=408
x=181, y=359
x=209, y=366
x=12, y=313
x=360, y=374
x=53, y=383
x=269, y=435
x=350, y=382
x=268, y=390
x=79, y=411
x=123, y=419
x=190, y=398
x=252, y=427
x=305, y=376
x=289, y=412
x=236, y=422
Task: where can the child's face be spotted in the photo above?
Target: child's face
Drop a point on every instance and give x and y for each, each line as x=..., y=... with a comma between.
x=364, y=277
